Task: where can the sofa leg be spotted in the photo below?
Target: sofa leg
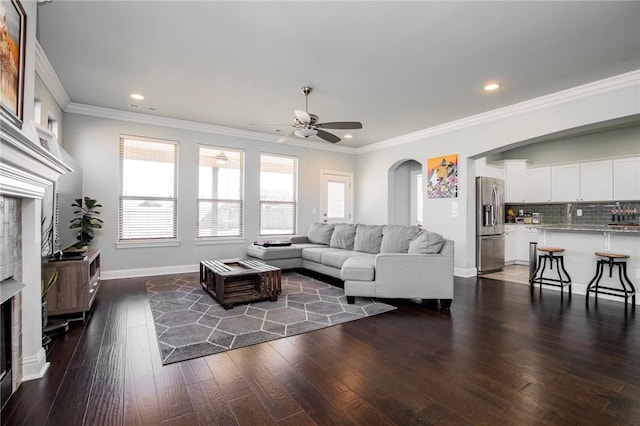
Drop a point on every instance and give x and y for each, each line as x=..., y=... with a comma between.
x=445, y=303
x=351, y=300
x=430, y=303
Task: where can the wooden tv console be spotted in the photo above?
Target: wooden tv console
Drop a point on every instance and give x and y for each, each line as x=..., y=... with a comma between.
x=77, y=285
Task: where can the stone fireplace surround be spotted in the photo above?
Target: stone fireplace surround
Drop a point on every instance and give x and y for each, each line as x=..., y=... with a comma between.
x=26, y=170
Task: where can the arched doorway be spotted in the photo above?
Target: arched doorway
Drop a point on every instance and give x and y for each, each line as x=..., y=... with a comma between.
x=405, y=193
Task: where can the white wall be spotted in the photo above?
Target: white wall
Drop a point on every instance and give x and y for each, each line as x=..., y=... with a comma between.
x=469, y=139
x=94, y=143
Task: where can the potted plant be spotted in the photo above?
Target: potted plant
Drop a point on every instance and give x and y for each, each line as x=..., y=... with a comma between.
x=85, y=221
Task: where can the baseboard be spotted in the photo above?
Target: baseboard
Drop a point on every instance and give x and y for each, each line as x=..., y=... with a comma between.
x=34, y=367
x=465, y=273
x=147, y=272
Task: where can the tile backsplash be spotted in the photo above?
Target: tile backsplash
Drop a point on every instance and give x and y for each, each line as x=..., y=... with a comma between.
x=593, y=213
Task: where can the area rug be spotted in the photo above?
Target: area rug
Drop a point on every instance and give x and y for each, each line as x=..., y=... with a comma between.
x=190, y=323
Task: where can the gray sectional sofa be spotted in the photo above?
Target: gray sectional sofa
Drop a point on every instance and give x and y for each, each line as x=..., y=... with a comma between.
x=384, y=261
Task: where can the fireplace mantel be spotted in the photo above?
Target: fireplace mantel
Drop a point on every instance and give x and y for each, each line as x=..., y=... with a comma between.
x=26, y=168
x=26, y=171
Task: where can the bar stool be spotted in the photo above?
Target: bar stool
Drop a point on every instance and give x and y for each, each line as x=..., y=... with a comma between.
x=551, y=254
x=611, y=260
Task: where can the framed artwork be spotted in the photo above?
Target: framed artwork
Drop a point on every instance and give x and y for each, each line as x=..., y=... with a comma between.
x=443, y=176
x=13, y=22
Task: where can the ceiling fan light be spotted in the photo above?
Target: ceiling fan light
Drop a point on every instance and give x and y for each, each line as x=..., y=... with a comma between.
x=221, y=158
x=306, y=132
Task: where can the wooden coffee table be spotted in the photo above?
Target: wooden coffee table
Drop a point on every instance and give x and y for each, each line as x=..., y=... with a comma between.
x=233, y=281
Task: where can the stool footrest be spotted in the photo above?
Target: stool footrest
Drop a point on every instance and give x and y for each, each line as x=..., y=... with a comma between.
x=615, y=291
x=551, y=281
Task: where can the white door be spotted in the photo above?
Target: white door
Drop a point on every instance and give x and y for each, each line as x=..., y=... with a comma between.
x=337, y=197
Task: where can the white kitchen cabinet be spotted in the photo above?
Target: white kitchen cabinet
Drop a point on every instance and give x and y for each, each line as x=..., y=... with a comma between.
x=525, y=235
x=538, y=185
x=591, y=181
x=510, y=241
x=565, y=182
x=596, y=181
x=626, y=179
x=515, y=179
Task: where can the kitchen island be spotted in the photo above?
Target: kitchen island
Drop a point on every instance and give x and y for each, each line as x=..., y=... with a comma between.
x=581, y=241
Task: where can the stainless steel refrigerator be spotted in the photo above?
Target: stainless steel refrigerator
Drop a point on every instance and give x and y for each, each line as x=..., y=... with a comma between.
x=489, y=224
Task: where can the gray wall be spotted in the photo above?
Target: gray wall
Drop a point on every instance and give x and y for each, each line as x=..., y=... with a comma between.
x=471, y=139
x=622, y=142
x=94, y=143
x=49, y=107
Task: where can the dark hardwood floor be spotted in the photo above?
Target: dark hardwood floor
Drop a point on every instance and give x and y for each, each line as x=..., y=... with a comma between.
x=502, y=356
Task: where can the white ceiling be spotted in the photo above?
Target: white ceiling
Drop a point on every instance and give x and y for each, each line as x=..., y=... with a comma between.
x=398, y=67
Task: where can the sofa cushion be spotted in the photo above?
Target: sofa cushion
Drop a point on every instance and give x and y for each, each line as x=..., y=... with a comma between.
x=368, y=238
x=336, y=258
x=314, y=254
x=343, y=236
x=320, y=233
x=426, y=242
x=396, y=238
x=358, y=268
x=272, y=253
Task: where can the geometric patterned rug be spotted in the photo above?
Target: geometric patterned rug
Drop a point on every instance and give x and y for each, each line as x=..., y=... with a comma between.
x=190, y=323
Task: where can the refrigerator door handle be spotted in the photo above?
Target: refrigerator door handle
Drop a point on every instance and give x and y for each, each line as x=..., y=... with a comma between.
x=494, y=205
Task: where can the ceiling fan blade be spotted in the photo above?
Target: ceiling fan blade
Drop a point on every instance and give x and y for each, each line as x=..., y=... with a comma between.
x=302, y=116
x=329, y=137
x=341, y=125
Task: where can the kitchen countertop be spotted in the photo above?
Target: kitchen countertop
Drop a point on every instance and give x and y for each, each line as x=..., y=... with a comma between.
x=622, y=229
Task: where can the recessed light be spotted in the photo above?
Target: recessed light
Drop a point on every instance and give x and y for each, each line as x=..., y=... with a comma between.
x=348, y=136
x=137, y=96
x=490, y=87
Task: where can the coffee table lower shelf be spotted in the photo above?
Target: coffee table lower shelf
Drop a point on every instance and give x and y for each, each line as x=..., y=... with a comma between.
x=234, y=281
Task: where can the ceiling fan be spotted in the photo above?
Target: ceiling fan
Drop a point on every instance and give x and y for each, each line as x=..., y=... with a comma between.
x=307, y=125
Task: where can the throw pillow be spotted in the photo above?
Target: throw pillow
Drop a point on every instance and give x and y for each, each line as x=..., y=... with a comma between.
x=436, y=241
x=426, y=242
x=368, y=238
x=396, y=238
x=343, y=236
x=419, y=243
x=320, y=233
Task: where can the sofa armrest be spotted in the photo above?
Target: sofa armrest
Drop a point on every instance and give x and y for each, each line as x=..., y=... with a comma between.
x=421, y=275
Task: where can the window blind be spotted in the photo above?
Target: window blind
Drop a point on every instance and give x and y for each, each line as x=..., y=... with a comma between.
x=278, y=194
x=148, y=201
x=220, y=192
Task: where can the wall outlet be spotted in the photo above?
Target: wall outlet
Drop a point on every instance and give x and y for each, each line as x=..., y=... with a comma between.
x=579, y=212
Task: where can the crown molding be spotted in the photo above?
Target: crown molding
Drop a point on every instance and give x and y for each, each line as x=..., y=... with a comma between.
x=154, y=120
x=606, y=85
x=50, y=78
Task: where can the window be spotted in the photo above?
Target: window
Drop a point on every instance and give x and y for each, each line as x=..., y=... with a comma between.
x=220, y=192
x=278, y=194
x=148, y=201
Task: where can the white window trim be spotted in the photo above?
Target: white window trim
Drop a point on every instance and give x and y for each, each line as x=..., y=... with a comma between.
x=206, y=240
x=296, y=202
x=149, y=242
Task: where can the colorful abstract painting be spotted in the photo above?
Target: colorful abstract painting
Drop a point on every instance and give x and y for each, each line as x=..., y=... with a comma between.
x=443, y=176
